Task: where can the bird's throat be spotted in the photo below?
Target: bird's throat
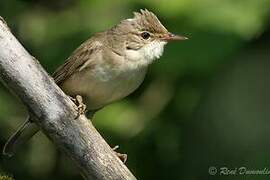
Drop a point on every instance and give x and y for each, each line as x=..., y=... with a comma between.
x=145, y=55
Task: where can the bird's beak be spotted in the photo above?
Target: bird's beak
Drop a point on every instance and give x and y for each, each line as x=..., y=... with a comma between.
x=173, y=37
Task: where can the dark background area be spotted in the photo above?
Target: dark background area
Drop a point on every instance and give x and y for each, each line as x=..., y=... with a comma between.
x=204, y=104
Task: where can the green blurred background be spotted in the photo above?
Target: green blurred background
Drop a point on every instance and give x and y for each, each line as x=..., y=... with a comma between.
x=204, y=103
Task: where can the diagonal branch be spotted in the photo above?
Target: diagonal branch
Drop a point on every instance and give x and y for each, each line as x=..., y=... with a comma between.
x=55, y=113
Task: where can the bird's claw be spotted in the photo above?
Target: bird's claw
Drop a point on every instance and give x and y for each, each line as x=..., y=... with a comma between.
x=122, y=157
x=81, y=107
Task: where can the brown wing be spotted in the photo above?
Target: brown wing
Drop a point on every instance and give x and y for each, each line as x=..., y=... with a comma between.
x=82, y=57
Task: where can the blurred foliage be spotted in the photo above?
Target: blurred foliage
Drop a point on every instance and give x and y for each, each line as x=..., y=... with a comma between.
x=204, y=103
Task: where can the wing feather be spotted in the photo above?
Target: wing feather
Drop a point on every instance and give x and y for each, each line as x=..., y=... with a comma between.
x=80, y=59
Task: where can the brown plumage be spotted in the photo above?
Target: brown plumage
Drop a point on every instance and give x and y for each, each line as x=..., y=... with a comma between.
x=107, y=67
x=144, y=21
x=150, y=22
x=77, y=59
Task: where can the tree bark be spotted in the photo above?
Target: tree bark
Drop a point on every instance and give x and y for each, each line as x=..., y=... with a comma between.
x=55, y=113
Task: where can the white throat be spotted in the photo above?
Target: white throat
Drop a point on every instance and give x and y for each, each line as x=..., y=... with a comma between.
x=147, y=54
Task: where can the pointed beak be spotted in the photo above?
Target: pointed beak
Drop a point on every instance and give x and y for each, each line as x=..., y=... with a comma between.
x=173, y=37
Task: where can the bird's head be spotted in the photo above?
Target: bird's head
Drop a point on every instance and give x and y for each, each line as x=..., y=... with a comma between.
x=144, y=36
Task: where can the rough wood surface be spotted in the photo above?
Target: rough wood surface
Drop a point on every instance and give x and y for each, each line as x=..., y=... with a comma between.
x=55, y=113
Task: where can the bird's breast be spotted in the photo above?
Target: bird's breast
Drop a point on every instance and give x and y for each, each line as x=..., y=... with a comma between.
x=103, y=85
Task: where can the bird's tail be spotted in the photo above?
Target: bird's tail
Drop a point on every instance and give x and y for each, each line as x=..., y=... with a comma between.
x=22, y=135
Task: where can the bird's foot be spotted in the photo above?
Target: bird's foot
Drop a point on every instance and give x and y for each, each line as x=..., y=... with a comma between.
x=122, y=157
x=81, y=107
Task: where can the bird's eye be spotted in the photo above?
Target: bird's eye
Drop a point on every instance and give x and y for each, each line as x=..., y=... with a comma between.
x=145, y=35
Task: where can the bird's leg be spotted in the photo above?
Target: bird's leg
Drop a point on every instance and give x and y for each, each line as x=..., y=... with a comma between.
x=122, y=157
x=78, y=100
x=81, y=107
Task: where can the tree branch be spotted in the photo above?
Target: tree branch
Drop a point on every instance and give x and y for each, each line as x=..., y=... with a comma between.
x=55, y=113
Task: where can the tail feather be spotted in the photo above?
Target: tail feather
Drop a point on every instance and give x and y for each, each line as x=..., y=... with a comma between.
x=22, y=135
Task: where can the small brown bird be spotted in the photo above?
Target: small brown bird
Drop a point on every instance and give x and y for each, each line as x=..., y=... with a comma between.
x=107, y=67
